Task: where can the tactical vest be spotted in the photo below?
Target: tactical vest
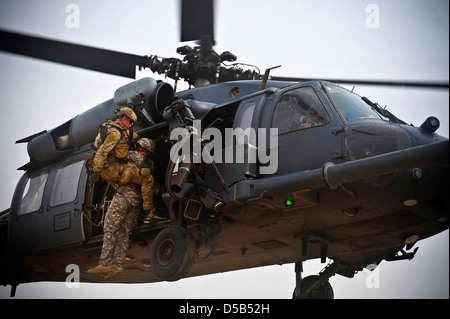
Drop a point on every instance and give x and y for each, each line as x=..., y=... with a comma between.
x=119, y=151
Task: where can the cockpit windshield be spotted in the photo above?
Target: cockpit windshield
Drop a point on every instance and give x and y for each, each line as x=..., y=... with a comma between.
x=352, y=106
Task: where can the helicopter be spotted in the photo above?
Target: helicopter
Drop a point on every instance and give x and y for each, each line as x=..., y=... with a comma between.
x=215, y=102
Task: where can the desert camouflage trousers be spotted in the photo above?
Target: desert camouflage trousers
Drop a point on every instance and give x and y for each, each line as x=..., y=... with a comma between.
x=130, y=173
x=121, y=217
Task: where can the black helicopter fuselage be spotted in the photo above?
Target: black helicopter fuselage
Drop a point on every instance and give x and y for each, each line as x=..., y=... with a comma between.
x=291, y=196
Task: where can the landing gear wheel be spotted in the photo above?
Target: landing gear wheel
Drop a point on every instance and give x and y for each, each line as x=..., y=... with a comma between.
x=173, y=253
x=324, y=291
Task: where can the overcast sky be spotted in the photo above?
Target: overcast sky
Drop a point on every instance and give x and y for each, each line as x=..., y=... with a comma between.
x=408, y=40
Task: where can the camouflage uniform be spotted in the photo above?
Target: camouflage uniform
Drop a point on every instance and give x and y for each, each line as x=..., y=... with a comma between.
x=121, y=218
x=137, y=171
x=112, y=147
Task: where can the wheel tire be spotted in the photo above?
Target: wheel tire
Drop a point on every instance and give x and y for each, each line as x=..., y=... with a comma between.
x=324, y=291
x=173, y=253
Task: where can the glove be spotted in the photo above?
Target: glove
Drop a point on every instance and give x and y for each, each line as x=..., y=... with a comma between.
x=94, y=177
x=126, y=177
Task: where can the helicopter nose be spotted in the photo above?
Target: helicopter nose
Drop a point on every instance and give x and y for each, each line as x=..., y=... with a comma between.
x=425, y=190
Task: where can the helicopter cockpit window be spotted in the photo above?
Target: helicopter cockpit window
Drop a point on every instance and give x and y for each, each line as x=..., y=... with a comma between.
x=33, y=192
x=244, y=121
x=352, y=106
x=299, y=109
x=66, y=184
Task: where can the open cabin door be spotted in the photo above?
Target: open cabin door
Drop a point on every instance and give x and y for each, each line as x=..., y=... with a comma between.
x=238, y=154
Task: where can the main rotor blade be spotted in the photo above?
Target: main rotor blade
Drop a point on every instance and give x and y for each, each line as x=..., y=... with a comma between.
x=197, y=20
x=106, y=61
x=435, y=85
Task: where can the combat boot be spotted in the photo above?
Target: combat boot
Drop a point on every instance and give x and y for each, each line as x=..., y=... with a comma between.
x=100, y=269
x=113, y=275
x=152, y=218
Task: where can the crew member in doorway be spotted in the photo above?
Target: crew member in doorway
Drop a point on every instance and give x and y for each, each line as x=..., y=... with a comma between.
x=138, y=171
